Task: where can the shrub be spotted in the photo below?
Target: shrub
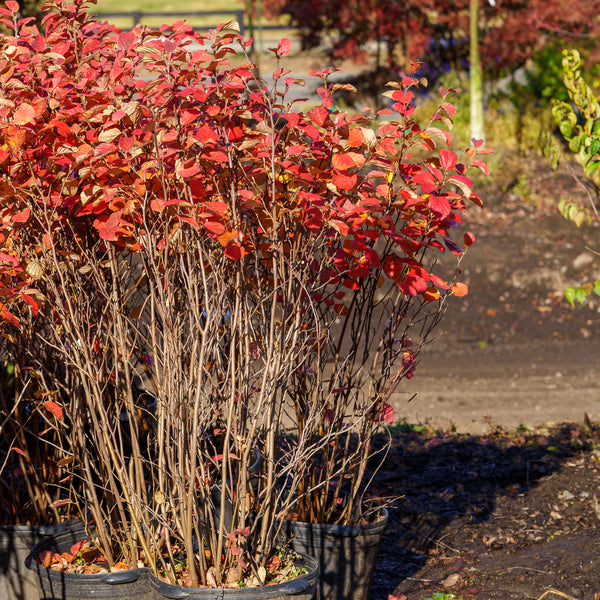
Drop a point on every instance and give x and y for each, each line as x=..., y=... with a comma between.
x=579, y=124
x=172, y=223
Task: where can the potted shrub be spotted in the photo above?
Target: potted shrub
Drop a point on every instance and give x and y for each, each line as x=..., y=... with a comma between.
x=34, y=488
x=165, y=300
x=402, y=190
x=190, y=238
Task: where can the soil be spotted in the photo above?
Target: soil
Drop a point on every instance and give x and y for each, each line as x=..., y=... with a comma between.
x=506, y=515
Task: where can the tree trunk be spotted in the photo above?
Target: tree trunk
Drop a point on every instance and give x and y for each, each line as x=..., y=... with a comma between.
x=477, y=130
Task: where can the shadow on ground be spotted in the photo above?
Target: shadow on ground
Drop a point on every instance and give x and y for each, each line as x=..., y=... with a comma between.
x=471, y=508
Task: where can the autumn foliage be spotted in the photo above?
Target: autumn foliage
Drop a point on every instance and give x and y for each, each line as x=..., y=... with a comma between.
x=437, y=30
x=96, y=148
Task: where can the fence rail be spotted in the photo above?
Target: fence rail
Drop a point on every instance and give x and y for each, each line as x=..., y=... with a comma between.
x=137, y=17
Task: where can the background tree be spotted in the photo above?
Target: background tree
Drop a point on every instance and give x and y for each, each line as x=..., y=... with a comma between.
x=438, y=30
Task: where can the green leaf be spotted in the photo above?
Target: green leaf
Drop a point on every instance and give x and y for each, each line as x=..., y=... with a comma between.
x=597, y=288
x=575, y=144
x=570, y=295
x=566, y=129
x=580, y=295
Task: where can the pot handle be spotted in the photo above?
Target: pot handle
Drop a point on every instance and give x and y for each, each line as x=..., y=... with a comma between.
x=295, y=587
x=174, y=592
x=121, y=577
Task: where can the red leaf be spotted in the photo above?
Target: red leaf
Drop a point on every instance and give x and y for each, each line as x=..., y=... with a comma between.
x=54, y=408
x=189, y=116
x=29, y=300
x=426, y=181
x=481, y=165
x=12, y=5
x=447, y=159
x=341, y=227
x=107, y=226
x=190, y=220
x=344, y=181
x=325, y=94
x=387, y=145
x=60, y=126
x=188, y=169
x=284, y=47
x=392, y=266
x=76, y=548
x=215, y=227
x=235, y=251
x=8, y=316
x=402, y=97
x=295, y=150
x=318, y=114
x=19, y=451
x=217, y=207
x=449, y=108
x=125, y=40
x=387, y=414
x=468, y=238
x=9, y=258
x=440, y=206
x=205, y=134
x=24, y=114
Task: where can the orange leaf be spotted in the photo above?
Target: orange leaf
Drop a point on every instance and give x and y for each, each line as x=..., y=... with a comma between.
x=460, y=289
x=227, y=237
x=430, y=294
x=343, y=162
x=24, y=114
x=356, y=138
x=45, y=558
x=54, y=408
x=15, y=137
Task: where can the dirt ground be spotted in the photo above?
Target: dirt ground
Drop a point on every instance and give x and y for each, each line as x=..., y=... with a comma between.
x=514, y=350
x=498, y=511
x=499, y=516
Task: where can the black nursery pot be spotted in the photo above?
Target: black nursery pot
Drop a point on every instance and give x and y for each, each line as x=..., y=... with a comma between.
x=55, y=585
x=300, y=588
x=346, y=555
x=16, y=581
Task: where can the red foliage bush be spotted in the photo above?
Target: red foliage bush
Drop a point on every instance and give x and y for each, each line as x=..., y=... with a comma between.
x=165, y=212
